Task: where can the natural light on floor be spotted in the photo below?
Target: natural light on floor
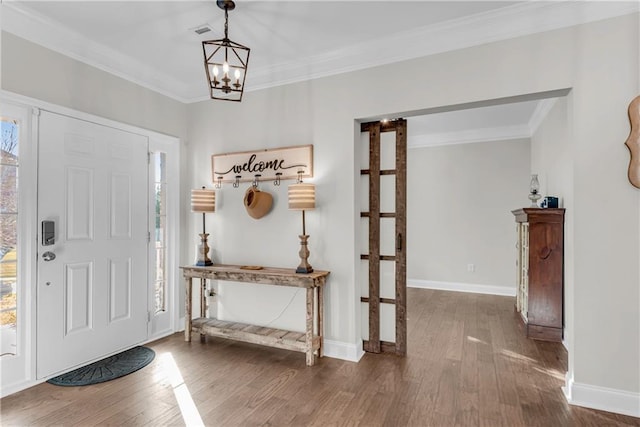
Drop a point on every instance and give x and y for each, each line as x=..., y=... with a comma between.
x=170, y=370
x=521, y=358
x=474, y=339
x=518, y=356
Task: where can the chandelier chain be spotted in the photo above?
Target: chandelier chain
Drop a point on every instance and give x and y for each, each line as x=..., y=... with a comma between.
x=226, y=23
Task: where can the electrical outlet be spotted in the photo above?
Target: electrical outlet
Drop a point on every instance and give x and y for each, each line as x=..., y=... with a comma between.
x=471, y=268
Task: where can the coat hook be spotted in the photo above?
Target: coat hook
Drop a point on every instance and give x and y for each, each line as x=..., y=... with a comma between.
x=236, y=183
x=219, y=183
x=299, y=180
x=277, y=181
x=254, y=184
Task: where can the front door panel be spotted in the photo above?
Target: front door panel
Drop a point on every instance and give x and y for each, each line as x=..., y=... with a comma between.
x=92, y=295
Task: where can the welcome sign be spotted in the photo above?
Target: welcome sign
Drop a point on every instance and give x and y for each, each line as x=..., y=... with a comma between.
x=263, y=165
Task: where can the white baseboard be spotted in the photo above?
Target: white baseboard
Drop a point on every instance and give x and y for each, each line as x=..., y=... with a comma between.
x=602, y=398
x=16, y=387
x=509, y=291
x=343, y=350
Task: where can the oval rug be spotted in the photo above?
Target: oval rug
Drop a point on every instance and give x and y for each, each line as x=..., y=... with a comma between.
x=107, y=369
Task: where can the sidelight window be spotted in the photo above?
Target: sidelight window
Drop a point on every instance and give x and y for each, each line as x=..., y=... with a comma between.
x=160, y=234
x=9, y=235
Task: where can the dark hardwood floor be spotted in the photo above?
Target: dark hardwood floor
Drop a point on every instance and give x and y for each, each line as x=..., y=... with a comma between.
x=468, y=365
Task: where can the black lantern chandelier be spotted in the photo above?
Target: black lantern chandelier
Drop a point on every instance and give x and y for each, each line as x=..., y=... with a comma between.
x=225, y=62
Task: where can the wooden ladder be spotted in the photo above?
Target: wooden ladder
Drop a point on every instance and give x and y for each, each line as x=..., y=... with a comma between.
x=374, y=257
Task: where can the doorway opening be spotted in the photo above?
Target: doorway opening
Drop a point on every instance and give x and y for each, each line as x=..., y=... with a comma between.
x=490, y=175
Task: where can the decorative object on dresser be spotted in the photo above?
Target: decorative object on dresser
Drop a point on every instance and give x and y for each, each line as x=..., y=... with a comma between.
x=534, y=190
x=302, y=197
x=308, y=342
x=203, y=201
x=633, y=142
x=231, y=57
x=549, y=202
x=539, y=296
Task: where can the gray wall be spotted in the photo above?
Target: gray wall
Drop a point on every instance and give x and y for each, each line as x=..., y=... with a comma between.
x=460, y=200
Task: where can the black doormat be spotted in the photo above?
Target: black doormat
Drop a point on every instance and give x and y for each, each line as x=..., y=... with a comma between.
x=107, y=369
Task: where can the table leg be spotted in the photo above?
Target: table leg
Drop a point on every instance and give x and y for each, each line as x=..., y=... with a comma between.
x=320, y=321
x=309, y=328
x=203, y=303
x=187, y=310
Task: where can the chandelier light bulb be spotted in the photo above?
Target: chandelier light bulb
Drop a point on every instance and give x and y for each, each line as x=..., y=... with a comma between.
x=225, y=67
x=215, y=71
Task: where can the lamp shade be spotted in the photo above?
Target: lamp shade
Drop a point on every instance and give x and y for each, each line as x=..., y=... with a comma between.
x=302, y=196
x=203, y=200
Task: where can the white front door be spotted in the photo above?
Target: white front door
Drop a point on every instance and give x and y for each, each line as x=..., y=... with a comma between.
x=92, y=297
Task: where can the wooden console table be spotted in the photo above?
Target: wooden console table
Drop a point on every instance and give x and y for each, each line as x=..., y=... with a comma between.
x=307, y=342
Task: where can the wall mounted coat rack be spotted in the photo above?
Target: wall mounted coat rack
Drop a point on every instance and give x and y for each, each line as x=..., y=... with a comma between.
x=263, y=165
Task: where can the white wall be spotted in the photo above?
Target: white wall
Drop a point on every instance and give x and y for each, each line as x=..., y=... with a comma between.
x=551, y=147
x=460, y=199
x=606, y=304
x=551, y=159
x=598, y=62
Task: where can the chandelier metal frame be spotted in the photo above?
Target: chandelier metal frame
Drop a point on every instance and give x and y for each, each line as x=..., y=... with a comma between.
x=225, y=62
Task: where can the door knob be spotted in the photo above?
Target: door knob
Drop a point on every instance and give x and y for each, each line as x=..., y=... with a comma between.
x=48, y=256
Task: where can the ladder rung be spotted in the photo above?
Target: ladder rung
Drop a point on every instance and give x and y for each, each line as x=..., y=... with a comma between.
x=382, y=300
x=382, y=172
x=382, y=257
x=382, y=214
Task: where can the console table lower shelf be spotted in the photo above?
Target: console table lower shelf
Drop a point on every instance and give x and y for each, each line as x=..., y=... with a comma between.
x=271, y=337
x=308, y=342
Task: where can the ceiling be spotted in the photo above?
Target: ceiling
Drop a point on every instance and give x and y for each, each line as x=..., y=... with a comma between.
x=153, y=43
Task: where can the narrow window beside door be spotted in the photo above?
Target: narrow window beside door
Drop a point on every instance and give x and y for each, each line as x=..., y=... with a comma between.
x=160, y=288
x=9, y=236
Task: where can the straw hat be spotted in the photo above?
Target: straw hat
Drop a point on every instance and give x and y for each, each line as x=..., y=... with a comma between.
x=257, y=203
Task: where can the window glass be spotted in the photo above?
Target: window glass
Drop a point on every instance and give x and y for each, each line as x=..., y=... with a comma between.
x=160, y=189
x=9, y=130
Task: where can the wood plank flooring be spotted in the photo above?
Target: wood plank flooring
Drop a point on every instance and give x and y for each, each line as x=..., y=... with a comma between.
x=468, y=364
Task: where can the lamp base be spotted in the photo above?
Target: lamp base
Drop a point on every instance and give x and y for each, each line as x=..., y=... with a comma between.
x=534, y=197
x=203, y=252
x=304, y=266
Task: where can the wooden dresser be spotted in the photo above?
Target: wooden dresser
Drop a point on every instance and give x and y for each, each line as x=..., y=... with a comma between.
x=540, y=272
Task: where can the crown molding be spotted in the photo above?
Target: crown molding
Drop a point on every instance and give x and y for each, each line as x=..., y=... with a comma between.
x=469, y=136
x=501, y=24
x=43, y=31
